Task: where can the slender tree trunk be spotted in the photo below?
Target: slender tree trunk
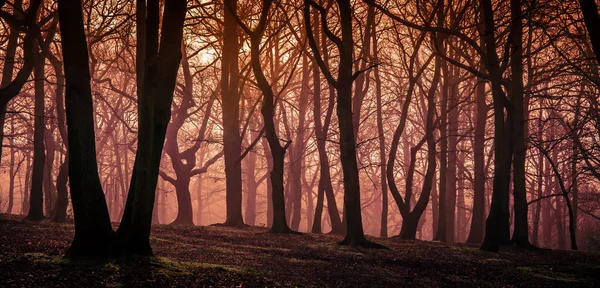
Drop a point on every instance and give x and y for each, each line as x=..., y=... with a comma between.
x=297, y=153
x=36, y=208
x=354, y=228
x=547, y=208
x=232, y=140
x=12, y=174
x=62, y=197
x=7, y=73
x=521, y=225
x=25, y=190
x=49, y=189
x=252, y=187
x=441, y=234
x=461, y=217
x=321, y=130
x=451, y=178
x=270, y=168
x=382, y=171
x=476, y=233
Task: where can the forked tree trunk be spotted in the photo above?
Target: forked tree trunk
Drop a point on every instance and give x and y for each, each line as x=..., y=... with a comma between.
x=352, y=209
x=154, y=116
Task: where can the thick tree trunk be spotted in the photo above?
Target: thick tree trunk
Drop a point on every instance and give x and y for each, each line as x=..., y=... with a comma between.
x=497, y=223
x=591, y=18
x=94, y=236
x=185, y=214
x=354, y=228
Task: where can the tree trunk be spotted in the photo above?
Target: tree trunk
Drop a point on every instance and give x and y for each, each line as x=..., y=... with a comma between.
x=383, y=233
x=36, y=208
x=452, y=157
x=476, y=233
x=521, y=225
x=94, y=236
x=591, y=19
x=461, y=217
x=12, y=172
x=252, y=186
x=232, y=140
x=268, y=111
x=441, y=234
x=7, y=72
x=497, y=223
x=154, y=116
x=185, y=214
x=297, y=152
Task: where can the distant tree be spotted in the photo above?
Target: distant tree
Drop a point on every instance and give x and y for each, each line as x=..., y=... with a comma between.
x=36, y=198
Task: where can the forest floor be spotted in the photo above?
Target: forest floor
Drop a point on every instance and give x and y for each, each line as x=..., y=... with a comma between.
x=31, y=256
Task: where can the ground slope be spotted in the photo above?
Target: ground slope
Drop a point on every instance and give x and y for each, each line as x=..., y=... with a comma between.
x=30, y=255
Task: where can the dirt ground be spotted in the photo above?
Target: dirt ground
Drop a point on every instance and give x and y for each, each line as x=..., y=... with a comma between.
x=31, y=256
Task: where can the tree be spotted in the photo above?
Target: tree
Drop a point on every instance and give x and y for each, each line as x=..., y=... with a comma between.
x=160, y=76
x=343, y=85
x=232, y=141
x=94, y=236
x=36, y=208
x=497, y=223
x=521, y=227
x=325, y=188
x=268, y=110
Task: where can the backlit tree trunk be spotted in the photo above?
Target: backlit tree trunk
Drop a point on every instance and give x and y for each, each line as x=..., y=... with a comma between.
x=94, y=236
